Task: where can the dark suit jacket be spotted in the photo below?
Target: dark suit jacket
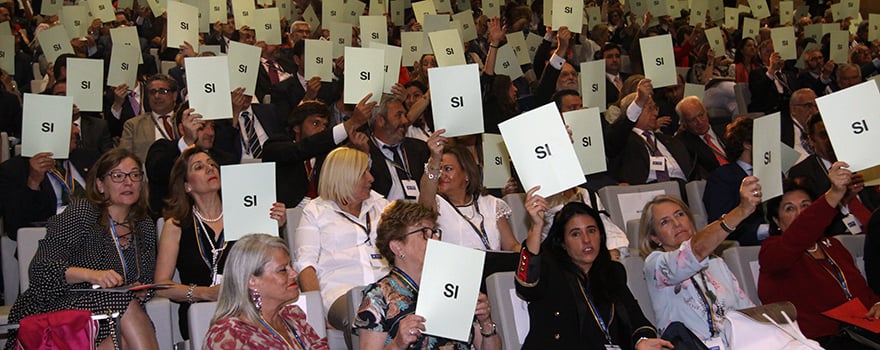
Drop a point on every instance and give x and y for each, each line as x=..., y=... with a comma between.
x=629, y=158
x=290, y=157
x=765, y=97
x=417, y=154
x=786, y=129
x=287, y=94
x=611, y=93
x=127, y=113
x=23, y=206
x=806, y=80
x=229, y=139
x=95, y=134
x=264, y=83
x=160, y=158
x=700, y=150
x=722, y=195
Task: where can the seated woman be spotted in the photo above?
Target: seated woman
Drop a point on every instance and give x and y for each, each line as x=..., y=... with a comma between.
x=386, y=317
x=254, y=310
x=798, y=258
x=684, y=283
x=616, y=241
x=571, y=277
x=451, y=185
x=106, y=240
x=335, y=242
x=192, y=240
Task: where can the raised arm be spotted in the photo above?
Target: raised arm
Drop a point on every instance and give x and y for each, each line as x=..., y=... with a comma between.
x=428, y=185
x=705, y=241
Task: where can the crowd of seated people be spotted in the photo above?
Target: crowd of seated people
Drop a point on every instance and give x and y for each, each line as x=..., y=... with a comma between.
x=367, y=176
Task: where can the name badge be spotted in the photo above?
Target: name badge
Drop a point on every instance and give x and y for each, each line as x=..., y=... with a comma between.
x=410, y=188
x=658, y=163
x=611, y=347
x=376, y=260
x=852, y=224
x=715, y=343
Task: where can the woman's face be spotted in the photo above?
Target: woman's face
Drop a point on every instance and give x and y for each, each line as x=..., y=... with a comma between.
x=202, y=175
x=793, y=203
x=414, y=244
x=127, y=191
x=363, y=186
x=452, y=176
x=672, y=226
x=278, y=283
x=749, y=48
x=413, y=94
x=582, y=240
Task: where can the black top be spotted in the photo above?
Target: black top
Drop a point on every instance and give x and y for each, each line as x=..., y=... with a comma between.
x=193, y=267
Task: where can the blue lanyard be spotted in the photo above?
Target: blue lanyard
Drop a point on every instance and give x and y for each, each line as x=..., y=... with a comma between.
x=481, y=231
x=710, y=318
x=595, y=312
x=292, y=330
x=119, y=251
x=367, y=229
x=409, y=281
x=837, y=274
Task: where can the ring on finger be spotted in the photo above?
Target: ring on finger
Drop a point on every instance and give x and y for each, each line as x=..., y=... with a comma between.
x=412, y=331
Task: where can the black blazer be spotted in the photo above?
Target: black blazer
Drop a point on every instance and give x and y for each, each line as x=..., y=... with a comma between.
x=722, y=195
x=287, y=94
x=806, y=80
x=417, y=154
x=765, y=98
x=228, y=138
x=629, y=158
x=23, y=206
x=560, y=318
x=290, y=157
x=700, y=151
x=264, y=83
x=611, y=93
x=786, y=128
x=95, y=134
x=127, y=113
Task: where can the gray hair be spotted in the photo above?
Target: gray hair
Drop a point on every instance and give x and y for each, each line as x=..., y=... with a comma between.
x=246, y=259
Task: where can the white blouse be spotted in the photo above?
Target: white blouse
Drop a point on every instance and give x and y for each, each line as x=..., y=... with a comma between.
x=475, y=225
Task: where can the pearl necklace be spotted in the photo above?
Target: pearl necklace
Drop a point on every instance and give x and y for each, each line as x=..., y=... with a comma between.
x=199, y=215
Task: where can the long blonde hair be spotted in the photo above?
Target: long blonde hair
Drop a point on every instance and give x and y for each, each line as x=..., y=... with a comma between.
x=646, y=224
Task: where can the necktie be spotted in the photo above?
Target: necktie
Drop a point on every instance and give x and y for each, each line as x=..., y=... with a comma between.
x=805, y=143
x=78, y=134
x=719, y=154
x=398, y=162
x=312, y=191
x=253, y=143
x=135, y=104
x=662, y=175
x=166, y=124
x=618, y=83
x=781, y=79
x=273, y=72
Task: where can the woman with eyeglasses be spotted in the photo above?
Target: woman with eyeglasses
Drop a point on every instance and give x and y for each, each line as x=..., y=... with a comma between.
x=192, y=240
x=335, y=242
x=386, y=318
x=104, y=241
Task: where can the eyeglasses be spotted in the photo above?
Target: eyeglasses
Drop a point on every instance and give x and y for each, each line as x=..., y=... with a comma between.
x=428, y=232
x=119, y=177
x=161, y=91
x=808, y=105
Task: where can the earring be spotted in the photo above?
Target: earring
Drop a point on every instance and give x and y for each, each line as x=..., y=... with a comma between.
x=467, y=179
x=401, y=256
x=188, y=189
x=257, y=299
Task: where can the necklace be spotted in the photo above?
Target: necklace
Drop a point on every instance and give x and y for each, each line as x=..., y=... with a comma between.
x=279, y=336
x=202, y=218
x=214, y=264
x=814, y=248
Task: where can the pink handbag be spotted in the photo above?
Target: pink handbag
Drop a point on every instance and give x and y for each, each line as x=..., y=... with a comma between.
x=58, y=330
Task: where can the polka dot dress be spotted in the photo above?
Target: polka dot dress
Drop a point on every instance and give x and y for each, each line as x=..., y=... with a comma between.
x=75, y=239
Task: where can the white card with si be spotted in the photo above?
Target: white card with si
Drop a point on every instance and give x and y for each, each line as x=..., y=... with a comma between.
x=123, y=66
x=852, y=117
x=244, y=64
x=658, y=60
x=183, y=25
x=784, y=42
x=496, y=161
x=537, y=140
x=447, y=47
x=267, y=23
x=506, y=63
x=7, y=53
x=46, y=124
x=127, y=36
x=413, y=47
x=768, y=155
x=593, y=84
x=456, y=99
x=207, y=80
x=319, y=59
x=54, y=42
x=589, y=142
x=247, y=202
x=373, y=29
x=364, y=74
x=392, y=64
x=85, y=79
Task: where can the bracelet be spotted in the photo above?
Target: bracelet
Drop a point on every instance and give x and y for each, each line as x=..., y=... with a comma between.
x=494, y=46
x=724, y=225
x=189, y=293
x=639, y=341
x=432, y=172
x=493, y=332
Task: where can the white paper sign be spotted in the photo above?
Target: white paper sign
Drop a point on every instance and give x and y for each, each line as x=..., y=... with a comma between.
x=340, y=36
x=767, y=155
x=593, y=84
x=373, y=29
x=874, y=26
x=123, y=66
x=157, y=6
x=7, y=53
x=103, y=10
x=353, y=10
x=378, y=7
x=456, y=99
x=211, y=48
x=716, y=10
x=839, y=49
x=533, y=41
x=217, y=11
x=496, y=162
x=127, y=36
x=658, y=60
x=492, y=9
x=443, y=6
x=397, y=11
x=248, y=195
x=183, y=24
x=537, y=140
x=364, y=74
x=716, y=41
x=786, y=11
x=697, y=90
x=85, y=83
x=467, y=27
x=74, y=18
x=751, y=27
x=507, y=64
x=699, y=8
x=310, y=16
x=54, y=42
x=759, y=9
x=50, y=7
x=589, y=144
x=517, y=42
x=520, y=316
x=207, y=79
x=244, y=64
x=784, y=42
x=789, y=157
x=849, y=8
x=204, y=8
x=46, y=124
x=447, y=47
x=267, y=23
x=243, y=10
x=450, y=286
x=422, y=8
x=852, y=117
x=391, y=63
x=319, y=59
x=332, y=11
x=658, y=8
x=568, y=13
x=413, y=47
x=436, y=23
x=731, y=17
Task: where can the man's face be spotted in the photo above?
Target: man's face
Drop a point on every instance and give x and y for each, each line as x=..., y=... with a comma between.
x=313, y=124
x=568, y=78
x=571, y=103
x=648, y=119
x=821, y=144
x=300, y=31
x=803, y=106
x=848, y=77
x=860, y=55
x=693, y=116
x=392, y=127
x=229, y=28
x=4, y=15
x=247, y=37
x=161, y=97
x=814, y=60
x=612, y=61
x=205, y=135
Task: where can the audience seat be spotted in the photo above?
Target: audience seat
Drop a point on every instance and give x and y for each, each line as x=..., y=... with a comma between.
x=742, y=261
x=743, y=97
x=624, y=203
x=293, y=217
x=856, y=246
x=510, y=313
x=355, y=296
x=635, y=280
x=695, y=190
x=519, y=217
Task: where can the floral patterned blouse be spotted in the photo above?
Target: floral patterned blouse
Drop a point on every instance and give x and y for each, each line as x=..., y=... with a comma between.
x=235, y=333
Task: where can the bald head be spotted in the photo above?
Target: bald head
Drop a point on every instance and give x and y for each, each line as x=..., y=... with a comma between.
x=803, y=105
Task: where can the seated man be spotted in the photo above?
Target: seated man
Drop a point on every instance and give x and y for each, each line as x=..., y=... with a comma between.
x=702, y=140
x=398, y=161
